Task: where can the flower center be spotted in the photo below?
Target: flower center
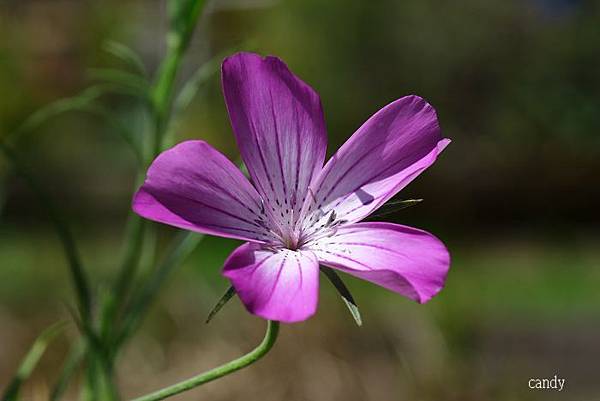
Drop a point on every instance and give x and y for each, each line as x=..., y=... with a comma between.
x=321, y=225
x=290, y=227
x=292, y=243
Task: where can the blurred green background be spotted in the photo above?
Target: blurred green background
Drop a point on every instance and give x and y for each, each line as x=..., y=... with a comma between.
x=515, y=197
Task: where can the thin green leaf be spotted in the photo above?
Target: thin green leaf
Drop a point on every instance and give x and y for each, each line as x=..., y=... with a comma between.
x=93, y=341
x=181, y=247
x=124, y=79
x=31, y=360
x=58, y=107
x=99, y=360
x=118, y=128
x=125, y=54
x=183, y=15
x=84, y=101
x=344, y=293
x=353, y=311
x=133, y=252
x=107, y=306
x=78, y=275
x=190, y=89
x=69, y=368
x=200, y=77
x=176, y=13
x=394, y=206
x=224, y=299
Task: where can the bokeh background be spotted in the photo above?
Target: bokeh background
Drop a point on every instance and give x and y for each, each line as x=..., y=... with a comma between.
x=515, y=197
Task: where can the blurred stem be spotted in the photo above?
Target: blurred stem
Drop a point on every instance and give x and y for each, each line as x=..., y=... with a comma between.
x=100, y=385
x=131, y=258
x=181, y=248
x=78, y=275
x=70, y=366
x=177, y=44
x=31, y=360
x=223, y=370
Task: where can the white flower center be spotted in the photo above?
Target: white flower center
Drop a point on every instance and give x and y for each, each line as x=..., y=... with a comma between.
x=291, y=228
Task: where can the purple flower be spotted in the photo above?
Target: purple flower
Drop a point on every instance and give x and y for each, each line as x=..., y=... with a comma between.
x=297, y=213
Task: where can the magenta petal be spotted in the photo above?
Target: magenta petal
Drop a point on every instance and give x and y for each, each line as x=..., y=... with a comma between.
x=193, y=186
x=408, y=261
x=279, y=125
x=281, y=285
x=392, y=148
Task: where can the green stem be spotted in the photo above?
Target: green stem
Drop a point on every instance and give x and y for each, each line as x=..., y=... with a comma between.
x=78, y=275
x=223, y=370
x=181, y=247
x=31, y=360
x=177, y=44
x=99, y=370
x=99, y=381
x=69, y=369
x=131, y=258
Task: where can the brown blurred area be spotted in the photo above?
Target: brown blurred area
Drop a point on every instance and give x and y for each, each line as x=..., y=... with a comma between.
x=515, y=197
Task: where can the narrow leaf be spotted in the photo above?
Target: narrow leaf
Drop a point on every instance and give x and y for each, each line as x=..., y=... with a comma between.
x=224, y=299
x=31, y=360
x=58, y=107
x=394, y=206
x=78, y=274
x=84, y=101
x=120, y=129
x=69, y=368
x=344, y=293
x=127, y=55
x=353, y=311
x=124, y=79
x=181, y=247
x=183, y=16
x=134, y=245
x=201, y=76
x=193, y=86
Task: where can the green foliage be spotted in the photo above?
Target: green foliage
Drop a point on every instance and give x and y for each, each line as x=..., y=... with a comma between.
x=69, y=368
x=222, y=301
x=127, y=55
x=87, y=102
x=181, y=247
x=344, y=292
x=124, y=80
x=183, y=15
x=108, y=315
x=78, y=274
x=31, y=360
x=393, y=206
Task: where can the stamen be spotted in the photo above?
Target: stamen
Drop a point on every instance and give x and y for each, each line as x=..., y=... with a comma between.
x=298, y=224
x=277, y=236
x=331, y=218
x=312, y=194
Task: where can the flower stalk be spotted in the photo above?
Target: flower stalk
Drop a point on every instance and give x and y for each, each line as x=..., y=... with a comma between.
x=78, y=275
x=183, y=22
x=108, y=318
x=257, y=353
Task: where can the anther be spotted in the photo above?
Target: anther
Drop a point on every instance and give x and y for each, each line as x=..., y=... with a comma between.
x=331, y=218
